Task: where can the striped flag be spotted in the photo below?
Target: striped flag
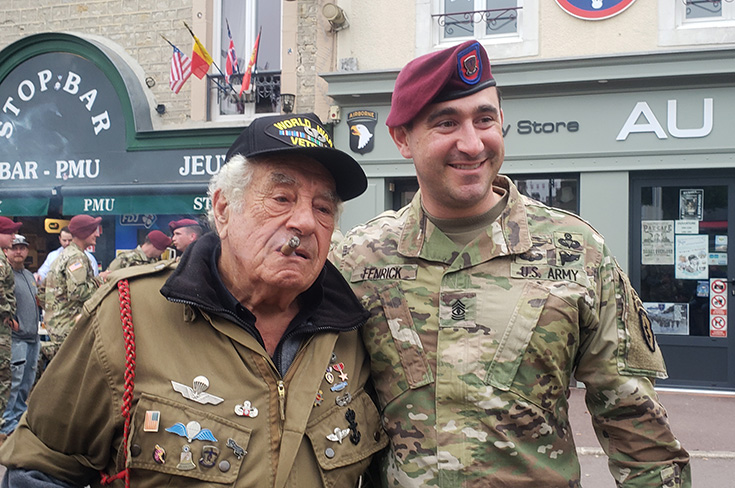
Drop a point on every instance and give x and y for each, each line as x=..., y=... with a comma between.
x=180, y=70
x=200, y=59
x=231, y=67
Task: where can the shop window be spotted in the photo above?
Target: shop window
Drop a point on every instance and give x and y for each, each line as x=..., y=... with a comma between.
x=509, y=26
x=683, y=249
x=246, y=18
x=555, y=191
x=696, y=22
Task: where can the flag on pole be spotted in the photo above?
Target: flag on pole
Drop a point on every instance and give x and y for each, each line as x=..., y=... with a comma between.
x=200, y=59
x=231, y=67
x=251, y=65
x=180, y=70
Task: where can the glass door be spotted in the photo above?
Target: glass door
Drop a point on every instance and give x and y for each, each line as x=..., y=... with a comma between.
x=680, y=268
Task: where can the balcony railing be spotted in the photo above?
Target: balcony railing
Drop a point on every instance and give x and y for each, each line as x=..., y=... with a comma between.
x=265, y=94
x=495, y=19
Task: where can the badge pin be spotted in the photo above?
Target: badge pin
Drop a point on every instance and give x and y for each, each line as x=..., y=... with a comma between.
x=329, y=377
x=354, y=433
x=239, y=451
x=152, y=418
x=338, y=435
x=159, y=454
x=339, y=386
x=341, y=368
x=343, y=400
x=197, y=393
x=185, y=462
x=246, y=410
x=192, y=431
x=319, y=398
x=209, y=456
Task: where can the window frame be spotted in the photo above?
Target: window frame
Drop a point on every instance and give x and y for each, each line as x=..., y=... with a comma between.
x=524, y=42
x=676, y=30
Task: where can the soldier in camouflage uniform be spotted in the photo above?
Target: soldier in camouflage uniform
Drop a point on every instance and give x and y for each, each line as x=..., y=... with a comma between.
x=484, y=303
x=8, y=228
x=149, y=252
x=70, y=282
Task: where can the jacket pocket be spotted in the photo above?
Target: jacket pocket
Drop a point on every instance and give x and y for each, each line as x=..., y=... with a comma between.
x=186, y=442
x=345, y=438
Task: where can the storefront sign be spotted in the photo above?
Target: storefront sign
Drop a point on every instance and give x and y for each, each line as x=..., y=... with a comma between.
x=594, y=9
x=137, y=204
x=23, y=207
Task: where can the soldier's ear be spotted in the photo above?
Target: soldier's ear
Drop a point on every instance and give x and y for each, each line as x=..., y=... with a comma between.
x=221, y=209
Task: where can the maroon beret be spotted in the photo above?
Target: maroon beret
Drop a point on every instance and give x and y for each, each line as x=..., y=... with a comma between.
x=437, y=77
x=159, y=240
x=7, y=226
x=175, y=224
x=83, y=226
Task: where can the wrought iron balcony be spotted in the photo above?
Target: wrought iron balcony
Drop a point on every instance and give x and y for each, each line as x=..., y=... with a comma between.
x=265, y=93
x=495, y=19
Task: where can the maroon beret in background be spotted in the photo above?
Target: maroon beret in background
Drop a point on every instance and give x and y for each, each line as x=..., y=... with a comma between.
x=437, y=77
x=83, y=226
x=176, y=224
x=159, y=240
x=7, y=226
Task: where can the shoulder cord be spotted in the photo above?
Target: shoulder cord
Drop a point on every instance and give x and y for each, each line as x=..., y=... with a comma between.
x=129, y=334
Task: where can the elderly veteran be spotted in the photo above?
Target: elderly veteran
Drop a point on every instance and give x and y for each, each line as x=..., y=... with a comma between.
x=156, y=242
x=184, y=232
x=249, y=367
x=484, y=304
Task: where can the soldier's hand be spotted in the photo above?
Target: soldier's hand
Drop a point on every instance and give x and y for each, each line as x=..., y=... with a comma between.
x=104, y=275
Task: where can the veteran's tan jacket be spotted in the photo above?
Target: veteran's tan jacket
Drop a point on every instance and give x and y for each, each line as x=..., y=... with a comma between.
x=74, y=428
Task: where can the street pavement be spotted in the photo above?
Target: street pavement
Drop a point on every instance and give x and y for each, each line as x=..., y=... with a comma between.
x=702, y=421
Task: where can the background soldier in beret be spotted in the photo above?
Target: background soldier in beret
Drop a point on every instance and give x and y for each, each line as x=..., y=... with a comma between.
x=184, y=232
x=484, y=304
x=70, y=282
x=8, y=322
x=249, y=366
x=150, y=251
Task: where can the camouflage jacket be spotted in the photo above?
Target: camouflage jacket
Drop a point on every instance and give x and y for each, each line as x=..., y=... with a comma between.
x=473, y=351
x=134, y=257
x=69, y=284
x=7, y=289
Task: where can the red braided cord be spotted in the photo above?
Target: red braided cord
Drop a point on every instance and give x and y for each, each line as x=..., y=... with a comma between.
x=129, y=334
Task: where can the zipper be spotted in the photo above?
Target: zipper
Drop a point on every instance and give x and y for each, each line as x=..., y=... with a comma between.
x=282, y=400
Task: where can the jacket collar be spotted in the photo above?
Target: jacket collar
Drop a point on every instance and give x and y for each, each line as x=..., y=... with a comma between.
x=329, y=304
x=509, y=234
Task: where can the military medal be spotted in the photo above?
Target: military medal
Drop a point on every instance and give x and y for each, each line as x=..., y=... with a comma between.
x=343, y=400
x=246, y=410
x=319, y=398
x=341, y=368
x=197, y=394
x=339, y=386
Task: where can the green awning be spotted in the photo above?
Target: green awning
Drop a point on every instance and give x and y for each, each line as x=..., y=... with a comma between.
x=23, y=206
x=136, y=204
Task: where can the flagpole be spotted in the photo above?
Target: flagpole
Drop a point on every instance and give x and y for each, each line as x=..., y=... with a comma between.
x=215, y=65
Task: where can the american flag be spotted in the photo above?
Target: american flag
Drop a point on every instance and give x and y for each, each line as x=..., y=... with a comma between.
x=231, y=64
x=180, y=70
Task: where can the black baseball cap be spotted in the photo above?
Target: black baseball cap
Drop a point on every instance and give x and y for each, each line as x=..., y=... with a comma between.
x=301, y=134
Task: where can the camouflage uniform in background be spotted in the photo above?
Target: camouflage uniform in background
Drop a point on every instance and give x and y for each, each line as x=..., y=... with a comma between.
x=7, y=311
x=473, y=351
x=134, y=257
x=69, y=284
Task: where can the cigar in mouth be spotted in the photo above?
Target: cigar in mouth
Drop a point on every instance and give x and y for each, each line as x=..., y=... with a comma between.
x=289, y=247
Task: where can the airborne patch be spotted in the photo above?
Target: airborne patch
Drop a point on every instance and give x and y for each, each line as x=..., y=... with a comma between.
x=392, y=272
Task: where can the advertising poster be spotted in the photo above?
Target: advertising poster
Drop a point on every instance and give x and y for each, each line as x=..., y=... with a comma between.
x=691, y=204
x=691, y=257
x=657, y=242
x=668, y=318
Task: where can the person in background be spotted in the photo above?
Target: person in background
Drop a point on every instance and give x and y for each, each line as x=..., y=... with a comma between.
x=184, y=232
x=249, y=366
x=26, y=342
x=8, y=321
x=486, y=303
x=64, y=239
x=150, y=251
x=70, y=282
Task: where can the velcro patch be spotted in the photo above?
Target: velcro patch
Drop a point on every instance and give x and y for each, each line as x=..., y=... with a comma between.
x=392, y=272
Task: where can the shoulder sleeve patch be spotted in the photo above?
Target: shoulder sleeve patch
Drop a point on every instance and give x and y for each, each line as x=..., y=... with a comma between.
x=640, y=352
